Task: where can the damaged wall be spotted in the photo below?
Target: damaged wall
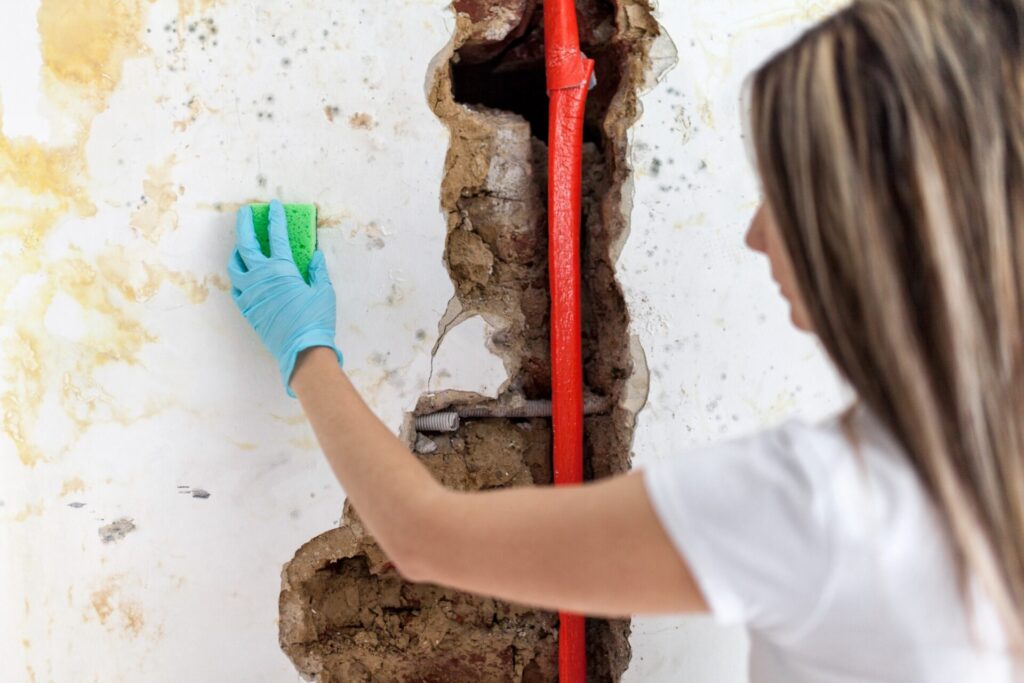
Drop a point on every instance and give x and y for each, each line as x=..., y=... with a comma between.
x=488, y=89
x=154, y=478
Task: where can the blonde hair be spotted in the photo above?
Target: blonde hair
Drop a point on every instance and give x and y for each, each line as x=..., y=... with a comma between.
x=890, y=144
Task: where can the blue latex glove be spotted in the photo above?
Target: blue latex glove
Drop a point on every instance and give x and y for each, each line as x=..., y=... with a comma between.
x=288, y=314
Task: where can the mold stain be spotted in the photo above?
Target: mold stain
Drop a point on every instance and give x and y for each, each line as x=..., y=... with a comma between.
x=84, y=45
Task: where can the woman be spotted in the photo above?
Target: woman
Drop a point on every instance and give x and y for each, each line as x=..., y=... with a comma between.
x=887, y=544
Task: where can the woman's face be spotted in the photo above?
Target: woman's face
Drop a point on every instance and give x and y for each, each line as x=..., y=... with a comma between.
x=763, y=236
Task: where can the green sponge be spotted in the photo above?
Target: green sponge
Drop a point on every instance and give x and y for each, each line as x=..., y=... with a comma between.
x=301, y=220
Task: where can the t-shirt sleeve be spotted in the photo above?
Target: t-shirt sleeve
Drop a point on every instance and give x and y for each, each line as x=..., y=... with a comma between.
x=751, y=519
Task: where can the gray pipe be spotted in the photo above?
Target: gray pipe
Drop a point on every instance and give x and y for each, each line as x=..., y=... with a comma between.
x=449, y=420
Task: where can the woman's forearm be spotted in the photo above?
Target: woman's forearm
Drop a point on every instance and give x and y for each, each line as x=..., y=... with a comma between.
x=389, y=487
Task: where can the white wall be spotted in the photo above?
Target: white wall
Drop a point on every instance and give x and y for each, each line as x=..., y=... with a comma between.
x=129, y=379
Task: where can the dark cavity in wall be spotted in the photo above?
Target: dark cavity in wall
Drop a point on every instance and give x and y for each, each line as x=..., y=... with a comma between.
x=346, y=614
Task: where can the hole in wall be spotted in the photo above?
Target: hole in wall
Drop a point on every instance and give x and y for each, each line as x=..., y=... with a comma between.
x=508, y=73
x=346, y=614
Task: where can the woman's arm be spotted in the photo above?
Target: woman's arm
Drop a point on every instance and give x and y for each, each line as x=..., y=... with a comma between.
x=594, y=549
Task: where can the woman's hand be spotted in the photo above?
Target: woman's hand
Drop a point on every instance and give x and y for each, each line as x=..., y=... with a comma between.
x=288, y=314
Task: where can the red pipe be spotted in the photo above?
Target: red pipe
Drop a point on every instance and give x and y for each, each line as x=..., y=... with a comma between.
x=568, y=79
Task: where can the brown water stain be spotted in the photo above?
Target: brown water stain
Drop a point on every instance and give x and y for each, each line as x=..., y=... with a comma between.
x=157, y=216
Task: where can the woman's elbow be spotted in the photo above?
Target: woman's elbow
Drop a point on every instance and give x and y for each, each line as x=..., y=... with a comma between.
x=419, y=554
x=412, y=569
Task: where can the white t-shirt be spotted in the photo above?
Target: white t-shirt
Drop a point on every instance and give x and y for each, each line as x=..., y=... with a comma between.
x=832, y=555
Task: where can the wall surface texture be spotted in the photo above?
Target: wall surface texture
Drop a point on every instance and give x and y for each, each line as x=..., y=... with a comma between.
x=154, y=477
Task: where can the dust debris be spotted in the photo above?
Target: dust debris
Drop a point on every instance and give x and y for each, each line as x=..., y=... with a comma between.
x=425, y=445
x=347, y=615
x=361, y=120
x=116, y=530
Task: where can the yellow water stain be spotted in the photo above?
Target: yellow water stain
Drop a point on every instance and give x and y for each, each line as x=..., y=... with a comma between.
x=112, y=333
x=245, y=445
x=72, y=485
x=108, y=602
x=706, y=112
x=21, y=360
x=38, y=185
x=30, y=510
x=305, y=442
x=157, y=215
x=290, y=419
x=79, y=402
x=131, y=613
x=187, y=7
x=803, y=12
x=44, y=173
x=86, y=42
x=104, y=288
x=83, y=44
x=197, y=291
x=101, y=606
x=195, y=108
x=138, y=279
x=334, y=220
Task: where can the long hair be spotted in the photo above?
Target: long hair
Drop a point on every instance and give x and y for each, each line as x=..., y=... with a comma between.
x=890, y=144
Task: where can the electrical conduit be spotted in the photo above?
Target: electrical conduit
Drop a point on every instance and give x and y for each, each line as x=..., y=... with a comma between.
x=569, y=75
